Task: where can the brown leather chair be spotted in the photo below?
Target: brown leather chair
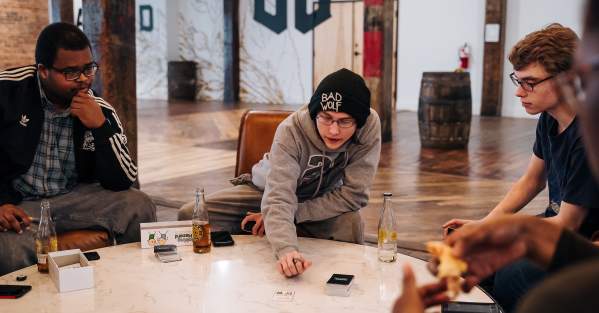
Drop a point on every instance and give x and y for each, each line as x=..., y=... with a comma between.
x=256, y=132
x=84, y=239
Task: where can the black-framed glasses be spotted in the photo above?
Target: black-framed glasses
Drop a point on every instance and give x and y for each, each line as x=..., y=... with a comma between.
x=527, y=86
x=74, y=73
x=342, y=123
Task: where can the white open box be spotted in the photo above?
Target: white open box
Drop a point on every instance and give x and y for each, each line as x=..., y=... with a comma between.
x=67, y=278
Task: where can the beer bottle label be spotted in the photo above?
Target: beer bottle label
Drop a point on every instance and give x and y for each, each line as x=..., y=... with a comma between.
x=197, y=232
x=42, y=258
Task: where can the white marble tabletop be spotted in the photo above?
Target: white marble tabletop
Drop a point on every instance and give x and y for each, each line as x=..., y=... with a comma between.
x=240, y=278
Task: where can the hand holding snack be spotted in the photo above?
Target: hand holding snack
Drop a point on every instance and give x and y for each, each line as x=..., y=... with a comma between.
x=497, y=242
x=449, y=268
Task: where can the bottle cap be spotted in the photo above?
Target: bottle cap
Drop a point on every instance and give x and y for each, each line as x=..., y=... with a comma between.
x=387, y=194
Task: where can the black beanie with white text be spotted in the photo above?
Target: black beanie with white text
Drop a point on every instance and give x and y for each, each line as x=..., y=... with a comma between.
x=342, y=91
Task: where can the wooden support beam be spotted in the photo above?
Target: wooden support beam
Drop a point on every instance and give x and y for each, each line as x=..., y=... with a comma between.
x=62, y=11
x=493, y=58
x=231, y=33
x=388, y=63
x=110, y=27
x=378, y=59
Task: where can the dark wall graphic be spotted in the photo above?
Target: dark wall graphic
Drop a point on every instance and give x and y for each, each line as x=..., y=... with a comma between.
x=304, y=22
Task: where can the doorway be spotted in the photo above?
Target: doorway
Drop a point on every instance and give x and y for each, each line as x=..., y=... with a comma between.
x=339, y=42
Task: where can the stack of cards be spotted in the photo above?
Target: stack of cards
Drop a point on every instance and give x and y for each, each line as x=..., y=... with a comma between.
x=339, y=285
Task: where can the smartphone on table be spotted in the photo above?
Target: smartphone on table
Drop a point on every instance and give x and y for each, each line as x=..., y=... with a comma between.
x=92, y=255
x=221, y=238
x=469, y=307
x=13, y=291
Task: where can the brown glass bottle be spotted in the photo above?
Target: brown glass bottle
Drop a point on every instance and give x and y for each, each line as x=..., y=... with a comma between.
x=200, y=224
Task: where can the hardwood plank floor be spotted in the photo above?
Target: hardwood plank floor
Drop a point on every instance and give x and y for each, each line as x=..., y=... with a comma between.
x=188, y=144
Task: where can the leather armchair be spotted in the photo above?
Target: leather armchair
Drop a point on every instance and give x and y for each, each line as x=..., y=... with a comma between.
x=256, y=133
x=84, y=239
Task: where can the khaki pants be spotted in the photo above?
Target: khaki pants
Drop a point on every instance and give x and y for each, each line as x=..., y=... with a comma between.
x=227, y=207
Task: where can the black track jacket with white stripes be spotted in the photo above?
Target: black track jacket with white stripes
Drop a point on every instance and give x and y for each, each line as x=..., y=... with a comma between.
x=101, y=154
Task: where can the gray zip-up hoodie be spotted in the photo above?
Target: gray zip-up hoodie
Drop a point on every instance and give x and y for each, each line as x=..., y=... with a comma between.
x=308, y=182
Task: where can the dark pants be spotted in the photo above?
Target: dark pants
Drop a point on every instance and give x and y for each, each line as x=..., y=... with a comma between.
x=87, y=206
x=513, y=281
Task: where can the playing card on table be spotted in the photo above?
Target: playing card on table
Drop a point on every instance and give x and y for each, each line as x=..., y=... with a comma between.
x=283, y=295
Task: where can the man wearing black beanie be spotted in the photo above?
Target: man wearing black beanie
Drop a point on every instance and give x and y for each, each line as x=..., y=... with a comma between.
x=315, y=178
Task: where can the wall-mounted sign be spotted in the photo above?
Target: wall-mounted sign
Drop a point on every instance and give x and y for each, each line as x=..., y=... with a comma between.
x=492, y=32
x=146, y=18
x=304, y=22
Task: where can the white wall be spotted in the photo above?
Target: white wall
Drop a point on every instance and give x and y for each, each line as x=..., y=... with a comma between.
x=151, y=52
x=76, y=7
x=183, y=30
x=277, y=68
x=201, y=39
x=430, y=34
x=274, y=68
x=431, y=31
x=527, y=16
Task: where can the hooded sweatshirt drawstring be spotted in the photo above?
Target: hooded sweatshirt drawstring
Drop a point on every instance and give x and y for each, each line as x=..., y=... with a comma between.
x=321, y=164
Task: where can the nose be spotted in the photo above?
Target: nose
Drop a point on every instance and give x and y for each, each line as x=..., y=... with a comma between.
x=334, y=128
x=520, y=92
x=82, y=77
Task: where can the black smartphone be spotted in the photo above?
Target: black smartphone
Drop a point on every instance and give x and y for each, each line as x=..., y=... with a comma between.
x=221, y=238
x=92, y=255
x=469, y=307
x=13, y=291
x=248, y=226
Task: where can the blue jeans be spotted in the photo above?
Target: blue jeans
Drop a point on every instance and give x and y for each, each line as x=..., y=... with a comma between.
x=515, y=280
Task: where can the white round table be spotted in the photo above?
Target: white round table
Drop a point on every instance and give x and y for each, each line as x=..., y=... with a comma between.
x=240, y=278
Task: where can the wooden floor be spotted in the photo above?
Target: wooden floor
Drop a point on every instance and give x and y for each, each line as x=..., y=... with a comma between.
x=187, y=144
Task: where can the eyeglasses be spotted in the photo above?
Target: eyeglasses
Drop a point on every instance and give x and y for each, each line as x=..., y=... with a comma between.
x=73, y=73
x=527, y=86
x=342, y=123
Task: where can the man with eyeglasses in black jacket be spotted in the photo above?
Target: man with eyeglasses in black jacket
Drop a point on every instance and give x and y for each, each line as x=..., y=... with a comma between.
x=61, y=142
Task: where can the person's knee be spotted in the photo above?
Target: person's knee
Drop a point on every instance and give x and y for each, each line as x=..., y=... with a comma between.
x=185, y=212
x=513, y=281
x=142, y=204
x=348, y=227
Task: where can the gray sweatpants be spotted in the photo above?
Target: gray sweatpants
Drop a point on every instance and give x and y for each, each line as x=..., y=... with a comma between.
x=87, y=206
x=227, y=207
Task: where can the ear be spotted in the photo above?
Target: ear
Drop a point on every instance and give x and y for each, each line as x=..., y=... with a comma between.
x=43, y=71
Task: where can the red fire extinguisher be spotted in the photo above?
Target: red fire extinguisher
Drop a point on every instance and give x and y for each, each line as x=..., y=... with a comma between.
x=464, y=55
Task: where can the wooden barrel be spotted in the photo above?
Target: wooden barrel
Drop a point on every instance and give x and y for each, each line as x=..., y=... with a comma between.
x=181, y=80
x=445, y=110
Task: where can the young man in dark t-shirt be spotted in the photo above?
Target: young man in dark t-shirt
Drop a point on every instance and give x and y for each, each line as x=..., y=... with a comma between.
x=568, y=175
x=572, y=261
x=558, y=158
